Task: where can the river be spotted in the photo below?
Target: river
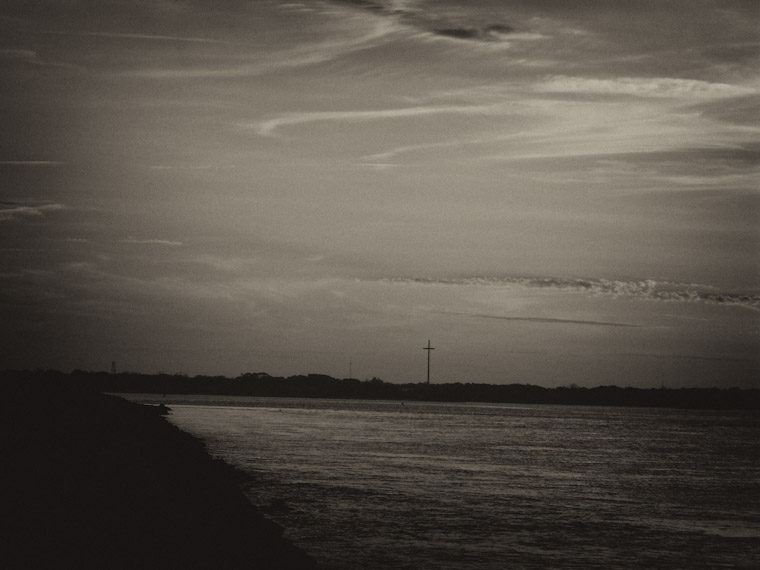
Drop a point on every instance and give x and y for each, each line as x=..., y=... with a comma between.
x=409, y=485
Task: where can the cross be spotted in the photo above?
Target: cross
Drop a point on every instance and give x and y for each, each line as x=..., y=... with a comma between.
x=428, y=348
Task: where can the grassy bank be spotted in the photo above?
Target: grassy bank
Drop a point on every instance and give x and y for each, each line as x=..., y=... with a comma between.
x=94, y=481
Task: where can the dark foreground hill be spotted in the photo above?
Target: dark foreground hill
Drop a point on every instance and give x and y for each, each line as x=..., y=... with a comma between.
x=93, y=481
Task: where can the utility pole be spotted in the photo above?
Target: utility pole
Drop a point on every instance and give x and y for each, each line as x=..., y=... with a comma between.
x=113, y=367
x=428, y=348
x=350, y=374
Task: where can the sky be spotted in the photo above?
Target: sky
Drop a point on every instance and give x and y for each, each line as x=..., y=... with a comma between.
x=552, y=193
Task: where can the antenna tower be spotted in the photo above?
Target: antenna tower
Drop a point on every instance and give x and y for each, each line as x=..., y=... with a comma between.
x=428, y=348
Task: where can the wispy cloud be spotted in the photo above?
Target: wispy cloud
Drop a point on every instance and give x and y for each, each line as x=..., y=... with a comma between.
x=268, y=127
x=579, y=118
x=190, y=166
x=257, y=67
x=138, y=36
x=668, y=87
x=25, y=54
x=227, y=263
x=13, y=210
x=489, y=33
x=29, y=57
x=31, y=163
x=152, y=242
x=371, y=32
x=443, y=24
x=384, y=158
x=645, y=289
x=548, y=320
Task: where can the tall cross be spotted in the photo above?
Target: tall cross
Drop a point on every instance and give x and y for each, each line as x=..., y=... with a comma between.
x=428, y=348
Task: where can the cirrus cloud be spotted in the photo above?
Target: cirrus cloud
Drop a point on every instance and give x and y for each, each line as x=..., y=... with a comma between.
x=13, y=210
x=269, y=126
x=648, y=289
x=166, y=242
x=669, y=87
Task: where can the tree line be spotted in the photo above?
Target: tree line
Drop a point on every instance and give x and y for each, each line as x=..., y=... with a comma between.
x=322, y=386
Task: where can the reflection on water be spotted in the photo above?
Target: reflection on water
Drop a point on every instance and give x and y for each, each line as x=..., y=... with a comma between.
x=458, y=486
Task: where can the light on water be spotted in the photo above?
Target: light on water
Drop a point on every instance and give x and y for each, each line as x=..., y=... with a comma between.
x=463, y=486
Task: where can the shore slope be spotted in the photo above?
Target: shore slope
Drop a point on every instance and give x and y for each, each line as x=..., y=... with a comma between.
x=95, y=481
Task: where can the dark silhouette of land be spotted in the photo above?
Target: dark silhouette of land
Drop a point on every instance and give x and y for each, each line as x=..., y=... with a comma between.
x=322, y=386
x=94, y=481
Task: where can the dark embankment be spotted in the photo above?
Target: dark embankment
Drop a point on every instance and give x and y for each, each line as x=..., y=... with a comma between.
x=94, y=481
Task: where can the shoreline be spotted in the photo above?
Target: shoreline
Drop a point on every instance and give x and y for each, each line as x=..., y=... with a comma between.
x=98, y=481
x=322, y=386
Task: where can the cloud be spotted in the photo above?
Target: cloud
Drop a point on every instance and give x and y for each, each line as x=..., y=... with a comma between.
x=715, y=160
x=380, y=7
x=227, y=263
x=268, y=127
x=148, y=37
x=490, y=33
x=13, y=210
x=257, y=67
x=371, y=32
x=190, y=166
x=645, y=289
x=29, y=57
x=667, y=87
x=736, y=110
x=549, y=320
x=25, y=54
x=449, y=26
x=31, y=163
x=296, y=7
x=151, y=242
x=383, y=159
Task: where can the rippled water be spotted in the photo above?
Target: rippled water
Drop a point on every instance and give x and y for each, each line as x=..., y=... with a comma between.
x=381, y=485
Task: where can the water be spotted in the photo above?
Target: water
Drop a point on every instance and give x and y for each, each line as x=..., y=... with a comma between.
x=381, y=485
